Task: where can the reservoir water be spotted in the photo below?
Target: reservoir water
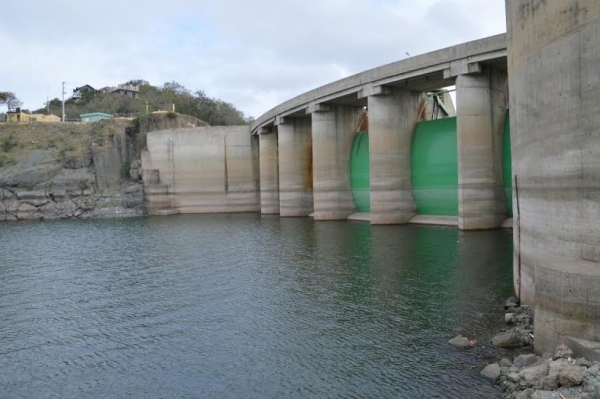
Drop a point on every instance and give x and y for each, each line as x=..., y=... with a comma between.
x=244, y=306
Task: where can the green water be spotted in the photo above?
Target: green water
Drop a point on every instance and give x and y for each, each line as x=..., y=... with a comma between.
x=244, y=306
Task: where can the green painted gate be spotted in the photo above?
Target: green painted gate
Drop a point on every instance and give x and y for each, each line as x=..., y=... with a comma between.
x=434, y=167
x=360, y=175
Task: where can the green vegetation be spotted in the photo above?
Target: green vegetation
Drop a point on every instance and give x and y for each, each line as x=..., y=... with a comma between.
x=7, y=143
x=213, y=111
x=10, y=100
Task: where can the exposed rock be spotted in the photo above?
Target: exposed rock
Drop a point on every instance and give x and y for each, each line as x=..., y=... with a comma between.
x=135, y=171
x=511, y=302
x=491, y=372
x=525, y=360
x=26, y=211
x=513, y=377
x=584, y=362
x=572, y=376
x=563, y=352
x=532, y=376
x=504, y=362
x=510, y=318
x=545, y=395
x=41, y=166
x=134, y=188
x=460, y=342
x=594, y=369
x=526, y=394
x=507, y=340
x=550, y=382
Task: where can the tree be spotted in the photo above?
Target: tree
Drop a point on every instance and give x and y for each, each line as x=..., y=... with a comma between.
x=138, y=82
x=10, y=100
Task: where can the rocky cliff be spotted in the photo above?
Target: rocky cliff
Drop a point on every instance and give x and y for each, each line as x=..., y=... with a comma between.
x=66, y=170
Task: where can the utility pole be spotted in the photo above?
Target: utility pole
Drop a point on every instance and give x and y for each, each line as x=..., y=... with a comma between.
x=63, y=101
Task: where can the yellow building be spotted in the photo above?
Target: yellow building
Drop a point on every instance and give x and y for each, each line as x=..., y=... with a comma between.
x=18, y=117
x=28, y=118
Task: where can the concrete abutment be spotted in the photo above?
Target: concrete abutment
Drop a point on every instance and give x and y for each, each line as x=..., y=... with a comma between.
x=269, y=173
x=392, y=118
x=295, y=167
x=481, y=100
x=333, y=131
x=553, y=58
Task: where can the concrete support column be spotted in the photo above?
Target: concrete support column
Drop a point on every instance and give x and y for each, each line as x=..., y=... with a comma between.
x=553, y=58
x=295, y=168
x=269, y=173
x=481, y=100
x=392, y=119
x=332, y=132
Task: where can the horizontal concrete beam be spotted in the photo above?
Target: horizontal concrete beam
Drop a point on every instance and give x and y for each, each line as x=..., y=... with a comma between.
x=490, y=49
x=316, y=107
x=462, y=67
x=372, y=90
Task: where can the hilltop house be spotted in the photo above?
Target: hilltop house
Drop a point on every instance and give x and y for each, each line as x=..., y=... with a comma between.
x=80, y=92
x=128, y=90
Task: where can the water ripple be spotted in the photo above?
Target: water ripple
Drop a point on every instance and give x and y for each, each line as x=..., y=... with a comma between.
x=244, y=306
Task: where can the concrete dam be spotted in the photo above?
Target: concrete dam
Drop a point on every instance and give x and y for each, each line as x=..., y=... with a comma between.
x=370, y=147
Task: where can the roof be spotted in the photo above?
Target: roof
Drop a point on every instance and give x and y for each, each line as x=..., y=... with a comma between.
x=95, y=114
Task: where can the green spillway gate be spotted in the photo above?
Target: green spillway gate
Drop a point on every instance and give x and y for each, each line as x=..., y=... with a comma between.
x=360, y=175
x=434, y=167
x=507, y=165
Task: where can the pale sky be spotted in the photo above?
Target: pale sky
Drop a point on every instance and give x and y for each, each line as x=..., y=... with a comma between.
x=254, y=54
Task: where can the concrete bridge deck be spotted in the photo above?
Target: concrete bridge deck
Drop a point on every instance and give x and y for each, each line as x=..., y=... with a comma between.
x=419, y=73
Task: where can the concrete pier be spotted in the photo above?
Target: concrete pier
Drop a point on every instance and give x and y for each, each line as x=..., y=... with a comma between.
x=554, y=53
x=269, y=173
x=481, y=100
x=392, y=117
x=295, y=167
x=333, y=129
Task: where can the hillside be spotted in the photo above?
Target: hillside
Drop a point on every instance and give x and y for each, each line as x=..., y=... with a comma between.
x=66, y=170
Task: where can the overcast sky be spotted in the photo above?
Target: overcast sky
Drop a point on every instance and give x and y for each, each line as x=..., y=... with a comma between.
x=251, y=53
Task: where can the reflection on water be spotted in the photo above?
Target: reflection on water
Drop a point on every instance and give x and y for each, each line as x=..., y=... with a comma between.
x=244, y=306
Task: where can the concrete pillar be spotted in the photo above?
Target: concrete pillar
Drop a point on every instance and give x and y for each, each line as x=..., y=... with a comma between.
x=481, y=100
x=392, y=119
x=554, y=53
x=332, y=134
x=269, y=174
x=295, y=168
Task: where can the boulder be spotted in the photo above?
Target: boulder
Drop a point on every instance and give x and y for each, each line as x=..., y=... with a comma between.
x=562, y=352
x=550, y=382
x=594, y=369
x=572, y=376
x=525, y=360
x=511, y=302
x=545, y=395
x=507, y=340
x=505, y=362
x=526, y=394
x=512, y=377
x=460, y=342
x=532, y=376
x=510, y=318
x=491, y=372
x=584, y=362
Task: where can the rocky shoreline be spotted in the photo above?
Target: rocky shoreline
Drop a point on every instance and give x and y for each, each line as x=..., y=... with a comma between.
x=557, y=375
x=69, y=172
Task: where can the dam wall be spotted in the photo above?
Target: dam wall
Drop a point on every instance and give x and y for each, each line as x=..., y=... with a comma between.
x=553, y=58
x=201, y=170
